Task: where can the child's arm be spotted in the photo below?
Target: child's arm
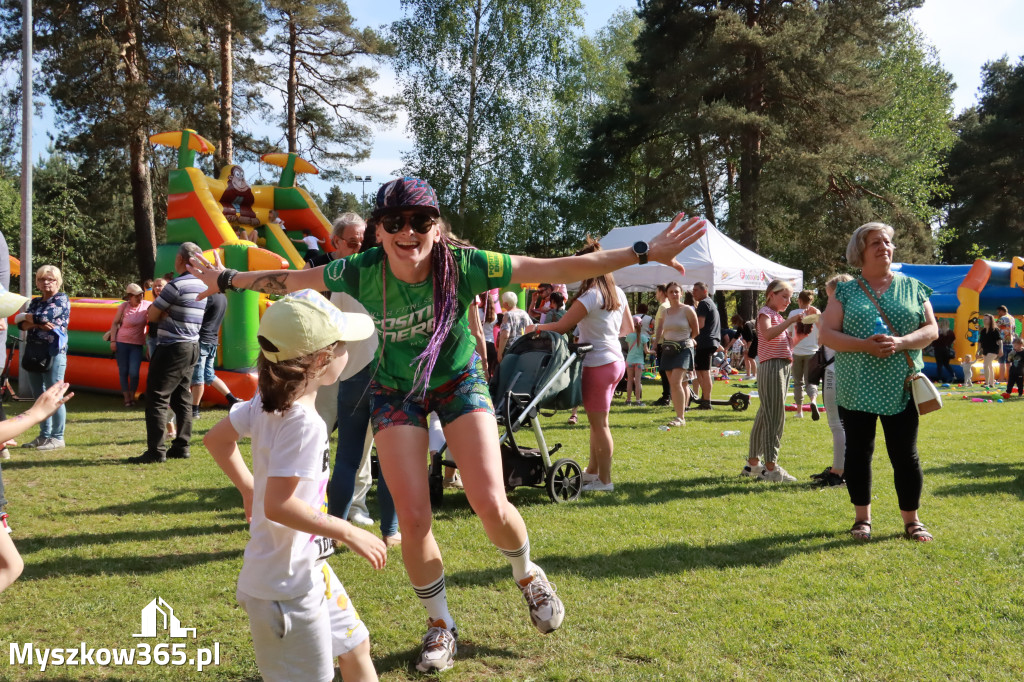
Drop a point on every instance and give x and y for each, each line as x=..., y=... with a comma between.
x=45, y=405
x=281, y=506
x=222, y=442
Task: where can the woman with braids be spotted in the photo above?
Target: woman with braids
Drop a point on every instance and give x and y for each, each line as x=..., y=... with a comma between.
x=418, y=287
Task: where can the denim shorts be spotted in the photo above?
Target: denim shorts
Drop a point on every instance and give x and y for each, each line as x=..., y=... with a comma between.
x=464, y=394
x=202, y=373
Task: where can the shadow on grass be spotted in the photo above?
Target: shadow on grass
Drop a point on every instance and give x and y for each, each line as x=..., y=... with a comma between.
x=64, y=566
x=981, y=478
x=16, y=463
x=674, y=557
x=41, y=542
x=181, y=501
x=455, y=504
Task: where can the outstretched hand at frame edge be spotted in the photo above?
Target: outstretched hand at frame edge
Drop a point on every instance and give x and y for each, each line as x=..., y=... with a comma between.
x=674, y=239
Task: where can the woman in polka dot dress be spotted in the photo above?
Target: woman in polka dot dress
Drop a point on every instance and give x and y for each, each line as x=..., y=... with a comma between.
x=871, y=372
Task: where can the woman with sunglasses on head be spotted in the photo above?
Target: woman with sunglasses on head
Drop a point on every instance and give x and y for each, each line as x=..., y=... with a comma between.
x=418, y=287
x=127, y=338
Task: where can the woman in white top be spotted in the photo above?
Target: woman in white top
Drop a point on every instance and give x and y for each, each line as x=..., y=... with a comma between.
x=676, y=332
x=833, y=475
x=602, y=313
x=805, y=344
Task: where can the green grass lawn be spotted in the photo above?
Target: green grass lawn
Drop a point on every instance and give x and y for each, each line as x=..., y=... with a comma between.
x=685, y=571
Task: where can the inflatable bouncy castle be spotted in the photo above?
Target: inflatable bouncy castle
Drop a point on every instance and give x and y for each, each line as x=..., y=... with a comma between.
x=962, y=294
x=251, y=227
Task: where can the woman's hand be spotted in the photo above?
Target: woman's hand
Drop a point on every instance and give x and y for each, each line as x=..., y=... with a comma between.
x=880, y=345
x=206, y=272
x=52, y=398
x=113, y=346
x=677, y=236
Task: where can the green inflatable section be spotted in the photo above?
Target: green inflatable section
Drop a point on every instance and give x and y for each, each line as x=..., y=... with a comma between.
x=183, y=230
x=242, y=320
x=90, y=343
x=165, y=255
x=178, y=182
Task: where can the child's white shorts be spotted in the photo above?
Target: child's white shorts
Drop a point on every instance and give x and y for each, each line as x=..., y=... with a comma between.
x=299, y=639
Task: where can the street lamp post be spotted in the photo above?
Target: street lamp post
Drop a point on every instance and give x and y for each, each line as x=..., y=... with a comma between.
x=364, y=179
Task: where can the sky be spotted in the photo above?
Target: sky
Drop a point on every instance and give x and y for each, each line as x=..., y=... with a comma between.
x=967, y=34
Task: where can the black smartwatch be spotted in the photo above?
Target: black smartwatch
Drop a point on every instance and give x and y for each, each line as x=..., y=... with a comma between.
x=640, y=249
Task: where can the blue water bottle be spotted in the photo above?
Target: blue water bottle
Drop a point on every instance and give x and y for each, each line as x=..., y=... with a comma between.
x=880, y=326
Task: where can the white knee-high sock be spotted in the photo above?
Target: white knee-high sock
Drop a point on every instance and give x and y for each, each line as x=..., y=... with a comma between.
x=520, y=560
x=435, y=600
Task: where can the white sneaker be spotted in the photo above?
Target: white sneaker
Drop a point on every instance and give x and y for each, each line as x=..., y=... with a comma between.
x=752, y=471
x=439, y=647
x=360, y=518
x=51, y=444
x=590, y=478
x=777, y=475
x=546, y=609
x=5, y=454
x=597, y=487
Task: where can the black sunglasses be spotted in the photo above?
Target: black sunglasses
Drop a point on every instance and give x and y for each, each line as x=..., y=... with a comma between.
x=420, y=222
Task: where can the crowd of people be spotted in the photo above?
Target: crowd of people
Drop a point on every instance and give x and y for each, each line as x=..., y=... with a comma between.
x=400, y=355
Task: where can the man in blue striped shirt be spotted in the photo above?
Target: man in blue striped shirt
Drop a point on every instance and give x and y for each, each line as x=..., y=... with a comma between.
x=180, y=315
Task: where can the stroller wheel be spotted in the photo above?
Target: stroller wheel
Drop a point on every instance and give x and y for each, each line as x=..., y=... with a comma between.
x=739, y=401
x=565, y=479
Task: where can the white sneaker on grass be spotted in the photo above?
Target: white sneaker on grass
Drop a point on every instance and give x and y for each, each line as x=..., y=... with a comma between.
x=752, y=471
x=589, y=478
x=777, y=475
x=360, y=518
x=51, y=444
x=439, y=647
x=546, y=609
x=597, y=486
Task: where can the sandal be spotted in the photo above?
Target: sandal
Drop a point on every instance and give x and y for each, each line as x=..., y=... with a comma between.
x=573, y=420
x=916, y=531
x=861, y=530
x=678, y=421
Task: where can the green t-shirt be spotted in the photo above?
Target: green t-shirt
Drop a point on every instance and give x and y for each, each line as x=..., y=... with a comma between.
x=409, y=321
x=864, y=382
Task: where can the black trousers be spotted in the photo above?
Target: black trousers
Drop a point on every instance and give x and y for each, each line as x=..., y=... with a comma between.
x=1015, y=377
x=168, y=386
x=900, y=441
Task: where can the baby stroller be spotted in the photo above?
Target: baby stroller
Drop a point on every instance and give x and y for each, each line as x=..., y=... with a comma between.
x=538, y=371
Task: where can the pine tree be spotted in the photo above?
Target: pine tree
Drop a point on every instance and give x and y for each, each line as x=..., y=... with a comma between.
x=985, y=210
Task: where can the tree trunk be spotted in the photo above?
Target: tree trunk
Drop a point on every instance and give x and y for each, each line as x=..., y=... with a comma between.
x=226, y=144
x=470, y=120
x=136, y=103
x=705, y=183
x=293, y=87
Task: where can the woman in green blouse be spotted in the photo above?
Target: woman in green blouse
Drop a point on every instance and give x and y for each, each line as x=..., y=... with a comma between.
x=871, y=372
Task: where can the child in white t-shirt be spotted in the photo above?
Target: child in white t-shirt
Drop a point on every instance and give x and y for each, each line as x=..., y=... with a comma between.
x=300, y=616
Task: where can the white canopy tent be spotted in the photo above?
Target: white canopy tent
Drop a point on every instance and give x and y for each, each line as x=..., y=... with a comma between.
x=714, y=259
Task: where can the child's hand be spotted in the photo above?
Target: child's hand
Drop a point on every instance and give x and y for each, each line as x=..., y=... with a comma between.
x=52, y=398
x=367, y=545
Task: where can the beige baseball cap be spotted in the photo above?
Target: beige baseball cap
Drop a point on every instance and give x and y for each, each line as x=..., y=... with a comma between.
x=304, y=322
x=10, y=303
x=133, y=289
